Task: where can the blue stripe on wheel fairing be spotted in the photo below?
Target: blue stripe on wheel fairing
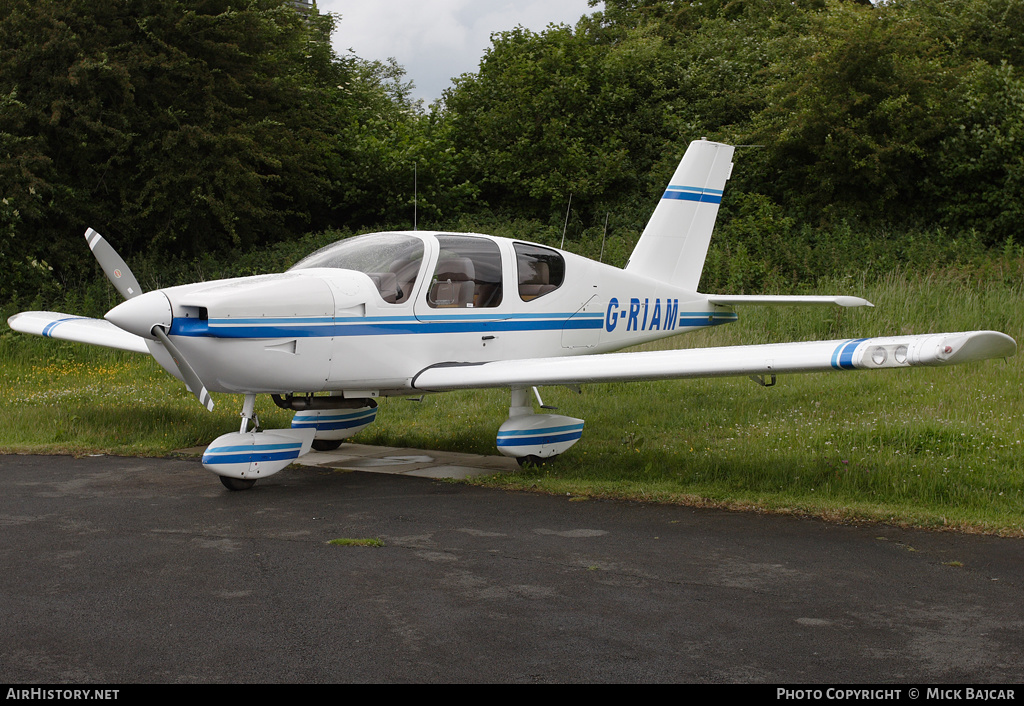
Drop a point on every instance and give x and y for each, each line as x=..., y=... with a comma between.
x=248, y=454
x=537, y=440
x=334, y=421
x=260, y=447
x=531, y=437
x=545, y=430
x=246, y=458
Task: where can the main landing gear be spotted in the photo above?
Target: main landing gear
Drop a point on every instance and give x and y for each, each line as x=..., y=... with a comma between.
x=535, y=438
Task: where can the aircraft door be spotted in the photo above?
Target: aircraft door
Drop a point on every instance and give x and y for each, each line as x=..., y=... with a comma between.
x=466, y=282
x=465, y=293
x=583, y=329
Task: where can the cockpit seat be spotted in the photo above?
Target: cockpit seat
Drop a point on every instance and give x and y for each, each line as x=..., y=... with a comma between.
x=453, y=284
x=406, y=270
x=537, y=282
x=387, y=284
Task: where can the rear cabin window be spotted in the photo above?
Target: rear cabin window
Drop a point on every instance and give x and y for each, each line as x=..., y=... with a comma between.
x=468, y=274
x=541, y=270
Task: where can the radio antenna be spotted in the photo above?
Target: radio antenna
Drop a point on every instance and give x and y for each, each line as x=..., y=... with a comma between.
x=605, y=236
x=566, y=226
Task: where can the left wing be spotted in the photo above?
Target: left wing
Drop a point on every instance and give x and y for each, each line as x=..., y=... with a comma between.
x=81, y=329
x=814, y=356
x=785, y=300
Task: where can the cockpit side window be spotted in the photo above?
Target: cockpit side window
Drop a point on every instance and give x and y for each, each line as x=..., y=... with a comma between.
x=391, y=261
x=468, y=273
x=541, y=270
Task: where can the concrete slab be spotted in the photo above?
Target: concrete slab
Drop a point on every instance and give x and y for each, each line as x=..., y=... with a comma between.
x=409, y=462
x=401, y=461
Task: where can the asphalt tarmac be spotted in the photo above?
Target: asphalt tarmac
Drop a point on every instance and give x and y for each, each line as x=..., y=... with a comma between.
x=124, y=570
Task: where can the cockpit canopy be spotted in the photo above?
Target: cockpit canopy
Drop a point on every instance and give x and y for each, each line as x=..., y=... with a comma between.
x=468, y=272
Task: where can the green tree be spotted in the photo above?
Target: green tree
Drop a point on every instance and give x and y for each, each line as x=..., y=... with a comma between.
x=979, y=177
x=566, y=111
x=604, y=110
x=859, y=108
x=183, y=126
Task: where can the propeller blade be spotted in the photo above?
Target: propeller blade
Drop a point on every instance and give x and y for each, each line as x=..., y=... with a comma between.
x=113, y=266
x=192, y=381
x=133, y=317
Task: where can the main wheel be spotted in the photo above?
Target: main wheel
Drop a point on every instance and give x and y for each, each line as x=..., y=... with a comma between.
x=326, y=444
x=532, y=460
x=236, y=483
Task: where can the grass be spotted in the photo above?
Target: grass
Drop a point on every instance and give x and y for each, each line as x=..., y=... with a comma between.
x=346, y=542
x=935, y=448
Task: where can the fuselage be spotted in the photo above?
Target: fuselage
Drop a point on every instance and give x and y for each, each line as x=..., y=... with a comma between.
x=367, y=314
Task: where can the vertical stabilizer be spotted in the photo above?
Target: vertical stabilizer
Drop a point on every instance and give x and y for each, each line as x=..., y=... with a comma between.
x=675, y=242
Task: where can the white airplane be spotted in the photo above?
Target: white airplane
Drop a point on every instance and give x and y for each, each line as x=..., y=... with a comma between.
x=415, y=312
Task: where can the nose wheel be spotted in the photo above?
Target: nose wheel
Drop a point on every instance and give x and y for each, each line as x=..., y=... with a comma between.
x=236, y=483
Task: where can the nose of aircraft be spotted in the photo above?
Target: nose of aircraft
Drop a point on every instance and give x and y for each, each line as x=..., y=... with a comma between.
x=140, y=314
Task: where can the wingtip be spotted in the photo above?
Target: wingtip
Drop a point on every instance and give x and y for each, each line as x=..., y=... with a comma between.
x=847, y=301
x=971, y=346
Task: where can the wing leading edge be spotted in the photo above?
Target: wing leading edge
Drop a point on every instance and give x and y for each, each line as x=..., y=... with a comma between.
x=81, y=329
x=775, y=358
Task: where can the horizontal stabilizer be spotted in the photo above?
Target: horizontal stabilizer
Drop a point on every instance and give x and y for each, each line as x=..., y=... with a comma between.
x=80, y=329
x=774, y=358
x=784, y=300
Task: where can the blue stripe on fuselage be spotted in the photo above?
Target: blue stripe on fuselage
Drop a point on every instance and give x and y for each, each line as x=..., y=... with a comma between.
x=381, y=326
x=402, y=325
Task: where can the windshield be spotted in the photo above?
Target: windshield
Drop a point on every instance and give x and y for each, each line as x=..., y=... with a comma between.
x=391, y=260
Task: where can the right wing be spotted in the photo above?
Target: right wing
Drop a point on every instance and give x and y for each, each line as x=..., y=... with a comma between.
x=81, y=329
x=813, y=356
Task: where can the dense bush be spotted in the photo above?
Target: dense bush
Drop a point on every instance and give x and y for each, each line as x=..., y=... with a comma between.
x=208, y=136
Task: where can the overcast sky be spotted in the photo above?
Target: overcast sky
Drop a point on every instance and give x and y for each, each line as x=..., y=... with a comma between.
x=436, y=40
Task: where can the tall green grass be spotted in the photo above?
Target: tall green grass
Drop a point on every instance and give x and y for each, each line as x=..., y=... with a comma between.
x=930, y=447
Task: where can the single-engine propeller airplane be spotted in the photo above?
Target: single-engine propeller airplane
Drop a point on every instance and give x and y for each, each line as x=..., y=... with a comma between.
x=415, y=312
